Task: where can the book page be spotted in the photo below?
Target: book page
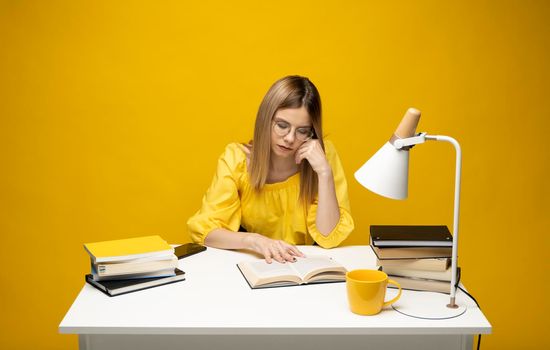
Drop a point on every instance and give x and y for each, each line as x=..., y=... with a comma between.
x=314, y=264
x=265, y=270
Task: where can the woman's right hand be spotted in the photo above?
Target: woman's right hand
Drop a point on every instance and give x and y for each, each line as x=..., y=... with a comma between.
x=271, y=249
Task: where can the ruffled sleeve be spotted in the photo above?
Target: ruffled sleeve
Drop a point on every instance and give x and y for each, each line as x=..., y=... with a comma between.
x=221, y=205
x=345, y=226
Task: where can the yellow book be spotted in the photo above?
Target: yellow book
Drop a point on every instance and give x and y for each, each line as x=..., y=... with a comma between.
x=128, y=249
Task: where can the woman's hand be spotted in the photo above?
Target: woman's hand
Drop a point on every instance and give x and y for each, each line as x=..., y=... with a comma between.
x=313, y=152
x=271, y=248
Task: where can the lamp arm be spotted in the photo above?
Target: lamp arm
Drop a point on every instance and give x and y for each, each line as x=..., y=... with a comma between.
x=408, y=142
x=458, y=169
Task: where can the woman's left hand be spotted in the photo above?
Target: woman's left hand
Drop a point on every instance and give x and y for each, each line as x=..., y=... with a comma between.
x=313, y=152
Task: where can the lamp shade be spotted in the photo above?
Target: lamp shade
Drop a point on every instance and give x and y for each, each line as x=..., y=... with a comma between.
x=386, y=173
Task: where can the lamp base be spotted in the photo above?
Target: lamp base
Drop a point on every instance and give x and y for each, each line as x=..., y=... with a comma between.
x=429, y=306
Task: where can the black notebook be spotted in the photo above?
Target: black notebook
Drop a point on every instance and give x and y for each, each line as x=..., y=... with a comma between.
x=118, y=287
x=410, y=236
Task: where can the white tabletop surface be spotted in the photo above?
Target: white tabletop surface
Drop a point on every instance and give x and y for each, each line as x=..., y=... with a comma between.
x=215, y=299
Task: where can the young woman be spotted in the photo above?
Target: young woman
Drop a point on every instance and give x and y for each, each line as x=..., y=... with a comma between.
x=286, y=188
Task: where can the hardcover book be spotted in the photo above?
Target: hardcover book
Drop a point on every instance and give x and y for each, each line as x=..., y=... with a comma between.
x=135, y=267
x=154, y=274
x=411, y=253
x=118, y=287
x=128, y=249
x=426, y=285
x=411, y=236
x=312, y=269
x=424, y=274
x=435, y=264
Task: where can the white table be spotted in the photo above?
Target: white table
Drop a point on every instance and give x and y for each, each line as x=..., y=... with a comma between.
x=214, y=308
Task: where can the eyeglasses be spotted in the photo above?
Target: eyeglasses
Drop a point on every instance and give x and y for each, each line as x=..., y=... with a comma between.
x=282, y=128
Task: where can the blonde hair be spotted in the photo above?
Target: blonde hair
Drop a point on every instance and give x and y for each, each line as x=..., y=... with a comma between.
x=289, y=92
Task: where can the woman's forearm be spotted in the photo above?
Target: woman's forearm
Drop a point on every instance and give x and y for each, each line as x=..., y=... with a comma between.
x=328, y=211
x=269, y=248
x=225, y=239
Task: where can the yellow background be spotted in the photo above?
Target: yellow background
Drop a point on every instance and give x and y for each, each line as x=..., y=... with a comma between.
x=113, y=115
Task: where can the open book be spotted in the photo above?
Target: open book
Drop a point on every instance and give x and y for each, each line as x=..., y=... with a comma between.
x=312, y=269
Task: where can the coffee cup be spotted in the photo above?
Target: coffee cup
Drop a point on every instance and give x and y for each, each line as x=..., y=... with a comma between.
x=367, y=290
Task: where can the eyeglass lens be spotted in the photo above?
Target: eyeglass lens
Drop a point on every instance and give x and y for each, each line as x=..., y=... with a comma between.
x=283, y=129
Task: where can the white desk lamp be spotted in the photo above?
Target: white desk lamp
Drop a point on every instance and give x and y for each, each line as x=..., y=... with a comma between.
x=386, y=174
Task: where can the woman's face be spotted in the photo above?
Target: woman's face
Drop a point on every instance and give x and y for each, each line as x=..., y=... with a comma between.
x=290, y=128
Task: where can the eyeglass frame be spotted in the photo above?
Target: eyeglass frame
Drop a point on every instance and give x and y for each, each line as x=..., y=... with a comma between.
x=275, y=128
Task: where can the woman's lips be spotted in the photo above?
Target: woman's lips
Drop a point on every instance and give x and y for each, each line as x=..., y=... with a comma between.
x=285, y=149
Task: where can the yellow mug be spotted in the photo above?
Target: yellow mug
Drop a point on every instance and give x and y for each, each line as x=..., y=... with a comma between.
x=367, y=290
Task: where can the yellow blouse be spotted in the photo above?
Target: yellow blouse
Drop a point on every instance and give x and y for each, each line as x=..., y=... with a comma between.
x=275, y=212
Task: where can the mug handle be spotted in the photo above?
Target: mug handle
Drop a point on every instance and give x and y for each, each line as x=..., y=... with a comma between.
x=389, y=302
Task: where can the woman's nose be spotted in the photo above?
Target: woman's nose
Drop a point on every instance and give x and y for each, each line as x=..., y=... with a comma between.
x=290, y=137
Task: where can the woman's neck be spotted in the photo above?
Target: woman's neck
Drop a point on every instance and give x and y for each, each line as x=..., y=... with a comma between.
x=283, y=165
x=281, y=168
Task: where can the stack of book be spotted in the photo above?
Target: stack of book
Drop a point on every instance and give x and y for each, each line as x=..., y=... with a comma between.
x=126, y=265
x=417, y=257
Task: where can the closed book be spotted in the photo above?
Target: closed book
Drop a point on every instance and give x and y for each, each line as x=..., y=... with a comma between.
x=136, y=266
x=128, y=249
x=429, y=264
x=118, y=287
x=411, y=236
x=421, y=284
x=431, y=275
x=411, y=253
x=160, y=273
